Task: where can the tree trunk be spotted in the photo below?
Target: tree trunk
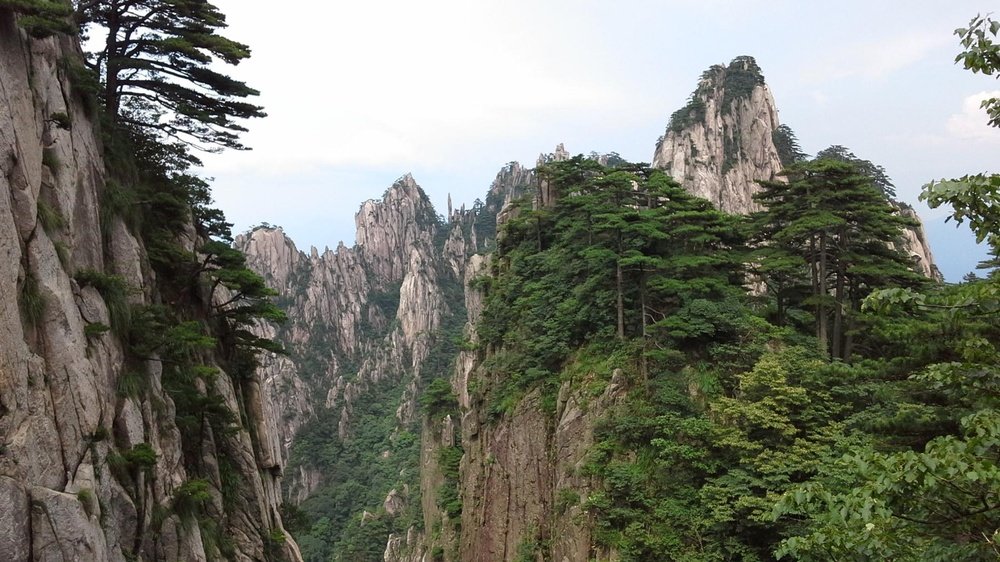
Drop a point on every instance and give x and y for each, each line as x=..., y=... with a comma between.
x=642, y=299
x=619, y=282
x=849, y=336
x=111, y=62
x=838, y=312
x=821, y=328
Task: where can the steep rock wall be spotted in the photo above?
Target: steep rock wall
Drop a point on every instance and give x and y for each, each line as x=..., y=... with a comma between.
x=523, y=487
x=63, y=420
x=722, y=142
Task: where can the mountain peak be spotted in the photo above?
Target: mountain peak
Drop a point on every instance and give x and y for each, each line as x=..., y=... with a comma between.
x=720, y=143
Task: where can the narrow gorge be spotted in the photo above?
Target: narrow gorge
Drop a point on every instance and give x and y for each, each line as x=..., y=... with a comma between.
x=374, y=331
x=598, y=361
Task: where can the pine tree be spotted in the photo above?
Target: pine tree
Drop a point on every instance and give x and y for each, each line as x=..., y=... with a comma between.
x=156, y=64
x=832, y=220
x=41, y=18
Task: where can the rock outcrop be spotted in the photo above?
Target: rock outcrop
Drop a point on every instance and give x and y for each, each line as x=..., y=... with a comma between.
x=523, y=483
x=91, y=467
x=721, y=142
x=915, y=244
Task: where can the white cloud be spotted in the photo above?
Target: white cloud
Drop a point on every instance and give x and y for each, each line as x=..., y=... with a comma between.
x=819, y=97
x=875, y=59
x=971, y=123
x=402, y=82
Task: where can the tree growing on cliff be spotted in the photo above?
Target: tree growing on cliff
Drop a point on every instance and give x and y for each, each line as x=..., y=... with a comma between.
x=938, y=502
x=867, y=168
x=156, y=63
x=832, y=220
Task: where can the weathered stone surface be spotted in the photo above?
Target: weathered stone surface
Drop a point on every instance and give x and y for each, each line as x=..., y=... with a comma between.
x=65, y=528
x=64, y=424
x=722, y=143
x=916, y=245
x=15, y=522
x=725, y=144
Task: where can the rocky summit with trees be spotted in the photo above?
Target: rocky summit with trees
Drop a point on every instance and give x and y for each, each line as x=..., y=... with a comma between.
x=737, y=353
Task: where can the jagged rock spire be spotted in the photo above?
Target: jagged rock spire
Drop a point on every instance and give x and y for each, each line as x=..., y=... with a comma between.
x=721, y=142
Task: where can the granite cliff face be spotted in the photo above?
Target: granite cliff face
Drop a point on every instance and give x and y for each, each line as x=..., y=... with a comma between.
x=88, y=469
x=372, y=319
x=723, y=141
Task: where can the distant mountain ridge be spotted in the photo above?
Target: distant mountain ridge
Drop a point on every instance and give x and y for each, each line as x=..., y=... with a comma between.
x=381, y=312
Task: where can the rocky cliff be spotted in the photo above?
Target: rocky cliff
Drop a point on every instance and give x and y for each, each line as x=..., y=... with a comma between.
x=93, y=465
x=369, y=326
x=374, y=326
x=724, y=141
x=721, y=142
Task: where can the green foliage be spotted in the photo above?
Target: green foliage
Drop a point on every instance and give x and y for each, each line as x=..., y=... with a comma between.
x=50, y=218
x=141, y=457
x=273, y=543
x=115, y=292
x=621, y=252
x=973, y=200
x=191, y=498
x=61, y=119
x=438, y=399
x=693, y=112
x=867, y=168
x=566, y=498
x=84, y=83
x=934, y=497
x=357, y=477
x=87, y=499
x=62, y=253
x=449, y=459
x=787, y=144
x=726, y=413
x=42, y=18
x=95, y=329
x=31, y=301
x=100, y=434
x=118, y=202
x=741, y=77
x=131, y=384
x=158, y=63
x=828, y=232
x=982, y=55
x=931, y=505
x=530, y=547
x=50, y=159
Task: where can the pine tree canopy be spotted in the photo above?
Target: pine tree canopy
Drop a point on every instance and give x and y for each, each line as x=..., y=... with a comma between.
x=157, y=69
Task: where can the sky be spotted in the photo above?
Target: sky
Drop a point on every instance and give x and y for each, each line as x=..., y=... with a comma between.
x=360, y=93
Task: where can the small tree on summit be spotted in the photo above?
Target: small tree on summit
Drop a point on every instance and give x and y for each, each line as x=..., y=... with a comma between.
x=156, y=66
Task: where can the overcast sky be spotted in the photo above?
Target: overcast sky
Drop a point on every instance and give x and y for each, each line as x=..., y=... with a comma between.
x=360, y=93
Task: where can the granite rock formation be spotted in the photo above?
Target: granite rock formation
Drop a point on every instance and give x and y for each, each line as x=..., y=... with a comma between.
x=723, y=141
x=71, y=487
